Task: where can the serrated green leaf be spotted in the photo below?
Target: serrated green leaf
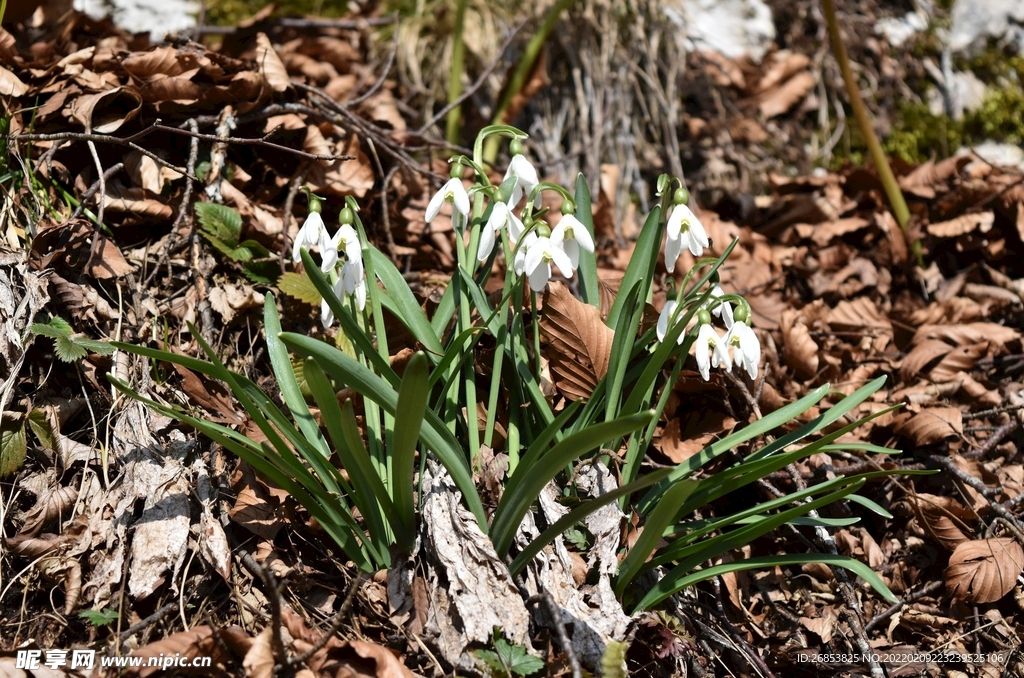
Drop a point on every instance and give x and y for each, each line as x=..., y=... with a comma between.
x=262, y=271
x=94, y=346
x=56, y=328
x=40, y=425
x=223, y=247
x=13, y=444
x=67, y=350
x=299, y=286
x=219, y=221
x=98, y=618
x=516, y=658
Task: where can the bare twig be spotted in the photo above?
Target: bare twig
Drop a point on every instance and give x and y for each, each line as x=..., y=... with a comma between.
x=881, y=618
x=111, y=171
x=556, y=621
x=993, y=440
x=102, y=138
x=336, y=622
x=148, y=621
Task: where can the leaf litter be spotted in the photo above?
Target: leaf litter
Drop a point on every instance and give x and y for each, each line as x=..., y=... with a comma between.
x=109, y=506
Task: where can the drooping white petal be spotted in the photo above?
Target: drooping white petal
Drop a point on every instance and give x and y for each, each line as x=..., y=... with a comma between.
x=747, y=348
x=666, y=315
x=519, y=263
x=572, y=248
x=309, y=235
x=706, y=337
x=460, y=198
x=535, y=255
x=673, y=246
x=561, y=259
x=540, y=276
x=486, y=242
x=434, y=206
x=526, y=180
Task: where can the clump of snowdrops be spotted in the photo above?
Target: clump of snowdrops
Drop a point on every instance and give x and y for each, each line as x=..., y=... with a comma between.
x=361, y=484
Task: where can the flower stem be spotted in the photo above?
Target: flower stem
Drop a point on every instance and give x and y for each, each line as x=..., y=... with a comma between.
x=860, y=114
x=455, y=76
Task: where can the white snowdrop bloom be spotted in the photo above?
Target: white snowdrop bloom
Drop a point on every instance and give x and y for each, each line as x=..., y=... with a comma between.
x=454, y=192
x=711, y=351
x=541, y=254
x=683, y=229
x=326, y=314
x=664, y=318
x=723, y=310
x=573, y=235
x=345, y=240
x=746, y=347
x=312, y=234
x=526, y=180
x=519, y=263
x=501, y=216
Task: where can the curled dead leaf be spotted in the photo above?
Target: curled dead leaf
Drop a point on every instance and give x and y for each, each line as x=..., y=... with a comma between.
x=50, y=507
x=188, y=645
x=984, y=570
x=799, y=350
x=942, y=517
x=963, y=224
x=579, y=343
x=932, y=425
x=105, y=112
x=10, y=84
x=787, y=95
x=270, y=65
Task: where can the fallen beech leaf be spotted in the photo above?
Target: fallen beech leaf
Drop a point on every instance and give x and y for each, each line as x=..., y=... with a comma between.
x=784, y=64
x=923, y=180
x=799, y=350
x=259, y=660
x=199, y=642
x=105, y=112
x=579, y=344
x=942, y=517
x=48, y=508
x=968, y=333
x=10, y=84
x=932, y=425
x=963, y=224
x=984, y=570
x=786, y=96
x=270, y=65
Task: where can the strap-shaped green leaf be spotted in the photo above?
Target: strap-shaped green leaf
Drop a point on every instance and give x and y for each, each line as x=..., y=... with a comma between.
x=412, y=406
x=641, y=265
x=578, y=514
x=433, y=434
x=403, y=304
x=531, y=476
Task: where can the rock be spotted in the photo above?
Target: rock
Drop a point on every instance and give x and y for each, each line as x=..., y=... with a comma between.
x=734, y=28
x=158, y=18
x=898, y=30
x=998, y=154
x=975, y=21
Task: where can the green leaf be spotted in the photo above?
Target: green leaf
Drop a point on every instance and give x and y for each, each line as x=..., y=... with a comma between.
x=539, y=465
x=100, y=618
x=94, y=346
x=412, y=406
x=510, y=658
x=641, y=264
x=669, y=586
x=402, y=304
x=299, y=286
x=262, y=271
x=40, y=425
x=219, y=223
x=67, y=350
x=55, y=329
x=588, y=261
x=13, y=444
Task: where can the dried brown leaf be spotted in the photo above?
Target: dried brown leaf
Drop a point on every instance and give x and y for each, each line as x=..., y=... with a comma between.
x=105, y=112
x=259, y=660
x=942, y=517
x=48, y=508
x=799, y=350
x=968, y=333
x=579, y=343
x=270, y=65
x=784, y=64
x=932, y=425
x=786, y=96
x=984, y=570
x=963, y=224
x=10, y=84
x=188, y=645
x=923, y=179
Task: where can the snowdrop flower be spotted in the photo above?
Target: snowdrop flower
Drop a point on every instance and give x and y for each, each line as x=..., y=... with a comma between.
x=454, y=192
x=345, y=240
x=312, y=234
x=573, y=235
x=526, y=178
x=683, y=229
x=711, y=350
x=501, y=216
x=544, y=251
x=746, y=347
x=519, y=263
x=723, y=310
x=350, y=282
x=664, y=318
